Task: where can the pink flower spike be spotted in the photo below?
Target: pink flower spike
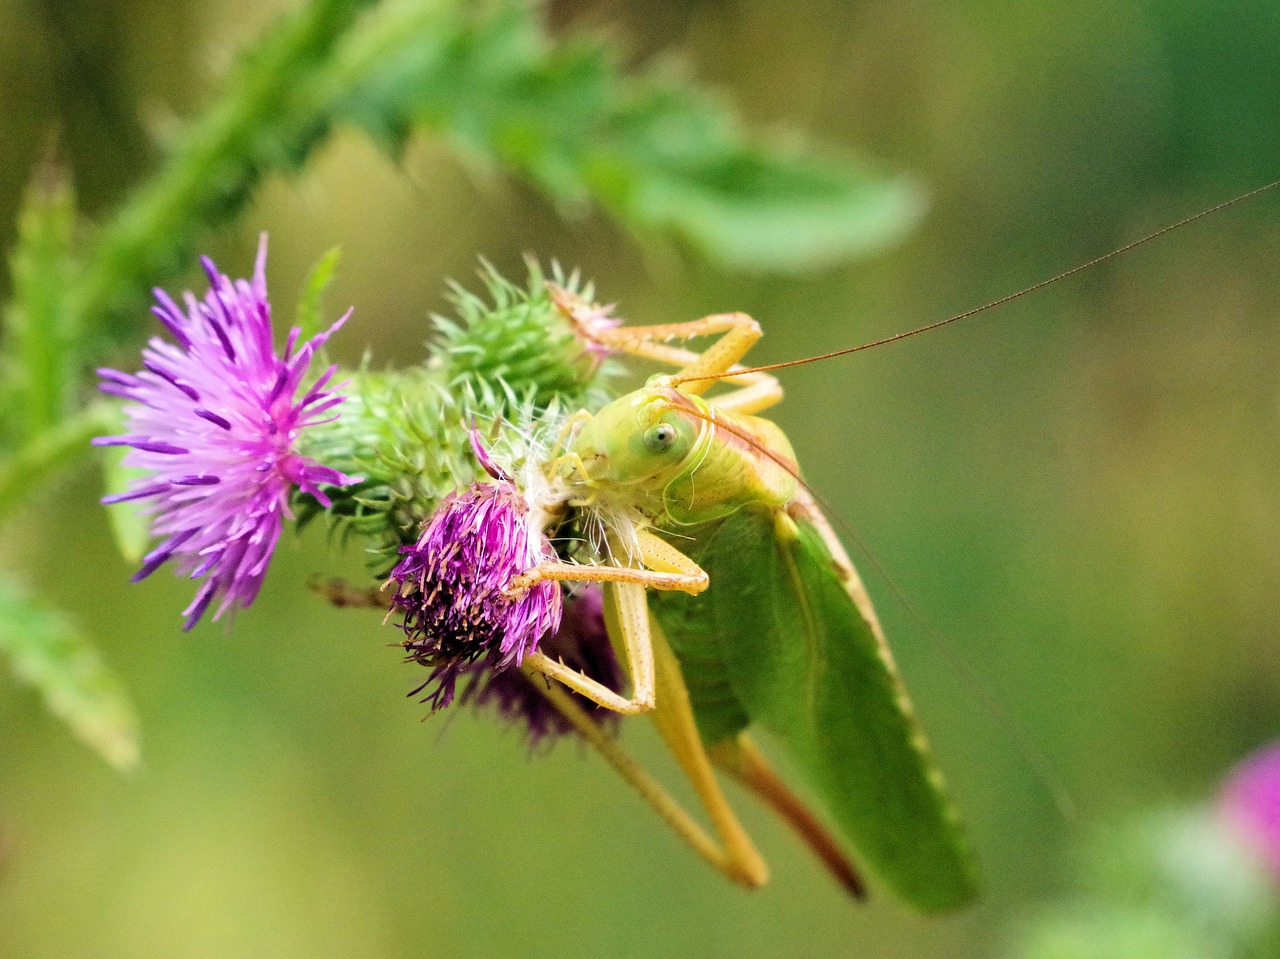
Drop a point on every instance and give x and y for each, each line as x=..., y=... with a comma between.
x=1250, y=803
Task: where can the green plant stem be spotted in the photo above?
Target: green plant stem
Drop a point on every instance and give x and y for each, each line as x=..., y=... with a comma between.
x=42, y=272
x=33, y=464
x=210, y=174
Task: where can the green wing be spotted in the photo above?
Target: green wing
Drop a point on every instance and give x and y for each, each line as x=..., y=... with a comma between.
x=778, y=639
x=690, y=627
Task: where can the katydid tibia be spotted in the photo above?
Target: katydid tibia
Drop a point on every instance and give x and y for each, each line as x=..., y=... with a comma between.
x=759, y=619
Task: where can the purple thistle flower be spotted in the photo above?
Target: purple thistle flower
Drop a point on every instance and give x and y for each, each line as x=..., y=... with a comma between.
x=581, y=643
x=215, y=419
x=451, y=587
x=1250, y=803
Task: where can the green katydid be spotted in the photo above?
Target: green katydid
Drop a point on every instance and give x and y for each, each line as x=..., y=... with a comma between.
x=785, y=637
x=760, y=617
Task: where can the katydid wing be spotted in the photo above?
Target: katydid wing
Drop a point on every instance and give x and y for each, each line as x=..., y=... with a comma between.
x=778, y=640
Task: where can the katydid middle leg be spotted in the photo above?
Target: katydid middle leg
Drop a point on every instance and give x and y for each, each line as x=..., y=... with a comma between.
x=663, y=567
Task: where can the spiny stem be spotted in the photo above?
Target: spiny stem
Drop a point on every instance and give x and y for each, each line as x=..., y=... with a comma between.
x=25, y=472
x=209, y=175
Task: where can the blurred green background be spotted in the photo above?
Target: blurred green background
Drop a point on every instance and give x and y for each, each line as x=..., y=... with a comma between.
x=1079, y=490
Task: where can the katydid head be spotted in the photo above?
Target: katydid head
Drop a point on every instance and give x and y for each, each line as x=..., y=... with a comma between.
x=643, y=439
x=677, y=460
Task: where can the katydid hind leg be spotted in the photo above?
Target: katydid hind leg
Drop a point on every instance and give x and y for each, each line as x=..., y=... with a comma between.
x=675, y=722
x=731, y=851
x=635, y=775
x=739, y=757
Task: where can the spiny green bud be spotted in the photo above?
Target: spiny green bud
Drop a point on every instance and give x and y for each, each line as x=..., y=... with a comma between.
x=407, y=440
x=514, y=368
x=535, y=342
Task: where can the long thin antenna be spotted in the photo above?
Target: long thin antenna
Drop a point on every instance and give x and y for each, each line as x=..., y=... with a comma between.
x=994, y=303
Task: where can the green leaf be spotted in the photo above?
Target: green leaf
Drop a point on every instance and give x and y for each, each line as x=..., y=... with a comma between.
x=657, y=153
x=49, y=654
x=40, y=335
x=310, y=319
x=802, y=662
x=768, y=211
x=130, y=524
x=682, y=162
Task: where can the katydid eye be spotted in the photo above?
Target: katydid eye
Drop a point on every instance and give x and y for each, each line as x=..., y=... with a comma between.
x=660, y=438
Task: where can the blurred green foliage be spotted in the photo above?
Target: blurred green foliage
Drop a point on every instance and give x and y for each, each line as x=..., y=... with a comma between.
x=49, y=654
x=1174, y=884
x=39, y=379
x=1080, y=489
x=658, y=156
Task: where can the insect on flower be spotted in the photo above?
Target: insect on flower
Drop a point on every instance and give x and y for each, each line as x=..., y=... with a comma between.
x=460, y=621
x=759, y=618
x=451, y=586
x=214, y=419
x=765, y=622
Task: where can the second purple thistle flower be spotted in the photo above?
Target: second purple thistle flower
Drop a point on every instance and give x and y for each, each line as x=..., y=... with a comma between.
x=462, y=623
x=581, y=643
x=214, y=419
x=451, y=586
